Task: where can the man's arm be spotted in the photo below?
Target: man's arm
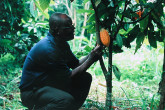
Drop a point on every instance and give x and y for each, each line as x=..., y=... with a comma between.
x=87, y=61
x=83, y=60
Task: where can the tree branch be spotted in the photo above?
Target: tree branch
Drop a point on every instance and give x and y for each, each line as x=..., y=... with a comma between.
x=98, y=37
x=97, y=22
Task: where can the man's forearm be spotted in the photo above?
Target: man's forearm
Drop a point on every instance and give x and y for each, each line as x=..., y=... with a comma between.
x=83, y=67
x=83, y=60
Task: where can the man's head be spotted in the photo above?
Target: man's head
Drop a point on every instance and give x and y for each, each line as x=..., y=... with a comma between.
x=61, y=26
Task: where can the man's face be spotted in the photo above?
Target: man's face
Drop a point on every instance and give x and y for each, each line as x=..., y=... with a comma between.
x=66, y=30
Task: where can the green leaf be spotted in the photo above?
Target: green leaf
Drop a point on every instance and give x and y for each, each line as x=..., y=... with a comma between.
x=152, y=39
x=117, y=49
x=85, y=11
x=119, y=40
x=137, y=1
x=131, y=36
x=32, y=8
x=6, y=43
x=87, y=48
x=143, y=24
x=85, y=1
x=158, y=36
x=122, y=31
x=91, y=18
x=46, y=15
x=139, y=41
x=116, y=71
x=9, y=6
x=151, y=36
x=44, y=4
x=97, y=2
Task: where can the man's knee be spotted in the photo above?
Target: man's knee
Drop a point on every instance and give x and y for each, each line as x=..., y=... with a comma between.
x=64, y=103
x=87, y=76
x=68, y=100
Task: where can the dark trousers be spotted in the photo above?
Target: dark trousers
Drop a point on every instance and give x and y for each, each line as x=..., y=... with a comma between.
x=50, y=98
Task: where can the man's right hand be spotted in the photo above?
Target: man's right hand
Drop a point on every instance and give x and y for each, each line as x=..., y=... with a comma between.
x=96, y=53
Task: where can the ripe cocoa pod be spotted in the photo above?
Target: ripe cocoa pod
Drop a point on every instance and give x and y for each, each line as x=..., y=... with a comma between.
x=139, y=13
x=104, y=37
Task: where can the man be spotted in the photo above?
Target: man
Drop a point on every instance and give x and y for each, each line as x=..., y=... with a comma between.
x=47, y=82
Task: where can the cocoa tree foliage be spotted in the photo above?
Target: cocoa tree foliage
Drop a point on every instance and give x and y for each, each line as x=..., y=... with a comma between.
x=15, y=37
x=125, y=25
x=126, y=20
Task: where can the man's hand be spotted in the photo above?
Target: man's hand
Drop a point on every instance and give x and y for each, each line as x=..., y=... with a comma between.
x=96, y=53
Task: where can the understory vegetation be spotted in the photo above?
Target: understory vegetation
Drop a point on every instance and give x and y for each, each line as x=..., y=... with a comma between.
x=136, y=89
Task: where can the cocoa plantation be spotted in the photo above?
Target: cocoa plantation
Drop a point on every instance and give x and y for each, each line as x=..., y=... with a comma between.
x=130, y=74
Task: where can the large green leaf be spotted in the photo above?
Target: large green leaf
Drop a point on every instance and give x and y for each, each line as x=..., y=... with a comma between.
x=119, y=40
x=131, y=35
x=97, y=2
x=152, y=39
x=44, y=4
x=91, y=18
x=46, y=15
x=139, y=40
x=85, y=11
x=151, y=36
x=116, y=72
x=85, y=1
x=32, y=10
x=144, y=24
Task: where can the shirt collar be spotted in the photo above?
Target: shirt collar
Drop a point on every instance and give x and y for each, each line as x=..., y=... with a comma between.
x=55, y=41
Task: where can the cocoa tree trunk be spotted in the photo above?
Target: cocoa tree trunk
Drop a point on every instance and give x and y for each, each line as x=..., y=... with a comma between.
x=108, y=79
x=162, y=86
x=107, y=74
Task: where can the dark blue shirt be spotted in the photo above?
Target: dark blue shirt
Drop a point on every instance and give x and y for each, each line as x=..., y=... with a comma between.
x=48, y=63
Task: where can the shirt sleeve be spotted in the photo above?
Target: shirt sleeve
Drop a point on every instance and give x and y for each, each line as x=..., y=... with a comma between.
x=71, y=59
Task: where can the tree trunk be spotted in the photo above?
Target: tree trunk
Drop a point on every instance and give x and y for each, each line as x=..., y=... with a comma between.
x=162, y=86
x=108, y=78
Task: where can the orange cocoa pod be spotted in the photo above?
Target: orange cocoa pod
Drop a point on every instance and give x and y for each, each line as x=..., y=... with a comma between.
x=104, y=37
x=140, y=13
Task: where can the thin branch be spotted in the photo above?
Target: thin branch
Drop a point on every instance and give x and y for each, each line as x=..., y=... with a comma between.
x=97, y=22
x=98, y=38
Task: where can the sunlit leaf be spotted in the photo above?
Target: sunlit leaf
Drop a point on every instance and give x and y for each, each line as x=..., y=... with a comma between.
x=85, y=1
x=87, y=48
x=85, y=11
x=91, y=18
x=97, y=2
x=46, y=15
x=137, y=1
x=44, y=4
x=32, y=11
x=122, y=31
